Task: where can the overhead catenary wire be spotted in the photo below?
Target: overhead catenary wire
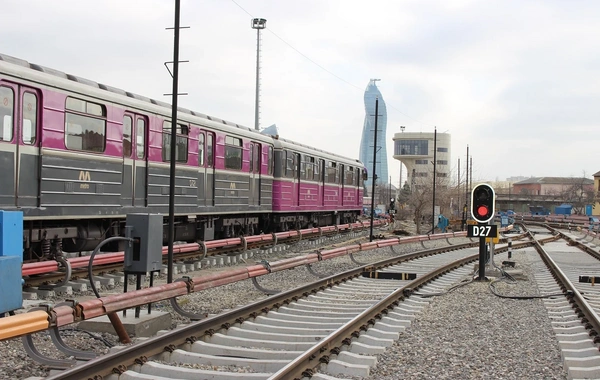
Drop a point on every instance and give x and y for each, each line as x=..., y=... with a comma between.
x=328, y=71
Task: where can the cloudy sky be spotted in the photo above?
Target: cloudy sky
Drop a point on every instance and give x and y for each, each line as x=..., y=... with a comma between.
x=516, y=81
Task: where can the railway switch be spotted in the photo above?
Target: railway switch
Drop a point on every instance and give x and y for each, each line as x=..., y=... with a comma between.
x=144, y=254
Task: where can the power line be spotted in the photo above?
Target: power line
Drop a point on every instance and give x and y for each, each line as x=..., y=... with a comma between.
x=324, y=69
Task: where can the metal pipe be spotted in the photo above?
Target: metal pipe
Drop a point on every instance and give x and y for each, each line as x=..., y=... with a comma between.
x=112, y=316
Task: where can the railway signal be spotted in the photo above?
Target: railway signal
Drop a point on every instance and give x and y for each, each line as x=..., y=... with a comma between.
x=483, y=199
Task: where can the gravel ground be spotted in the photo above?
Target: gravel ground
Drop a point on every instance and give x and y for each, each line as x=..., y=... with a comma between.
x=487, y=337
x=16, y=364
x=490, y=334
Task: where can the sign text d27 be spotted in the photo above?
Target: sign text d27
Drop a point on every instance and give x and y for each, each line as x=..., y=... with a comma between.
x=482, y=230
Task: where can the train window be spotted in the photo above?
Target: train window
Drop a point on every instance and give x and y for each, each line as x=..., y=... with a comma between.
x=75, y=105
x=127, y=129
x=94, y=109
x=257, y=152
x=290, y=165
x=6, y=113
x=270, y=160
x=83, y=130
x=283, y=162
x=316, y=175
x=210, y=142
x=332, y=172
x=340, y=174
x=29, y=118
x=140, y=138
x=201, y=149
x=296, y=165
x=233, y=153
x=181, y=142
x=350, y=176
x=251, y=158
x=309, y=163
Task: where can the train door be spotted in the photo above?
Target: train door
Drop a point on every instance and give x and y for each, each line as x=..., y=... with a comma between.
x=28, y=148
x=128, y=172
x=341, y=177
x=322, y=183
x=254, y=172
x=140, y=162
x=135, y=177
x=8, y=151
x=209, y=187
x=357, y=182
x=296, y=181
x=201, y=169
x=19, y=145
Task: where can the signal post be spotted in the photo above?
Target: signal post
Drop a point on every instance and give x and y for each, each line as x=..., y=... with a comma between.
x=483, y=199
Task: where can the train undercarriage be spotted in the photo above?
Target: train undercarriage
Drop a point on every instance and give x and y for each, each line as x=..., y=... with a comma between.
x=44, y=240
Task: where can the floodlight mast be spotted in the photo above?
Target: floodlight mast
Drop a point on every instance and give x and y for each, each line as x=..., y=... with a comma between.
x=258, y=24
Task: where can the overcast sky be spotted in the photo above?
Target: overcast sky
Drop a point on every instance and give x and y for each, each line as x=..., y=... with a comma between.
x=517, y=81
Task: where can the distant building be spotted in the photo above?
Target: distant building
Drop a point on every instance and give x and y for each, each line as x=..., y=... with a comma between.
x=596, y=206
x=367, y=142
x=415, y=151
x=516, y=179
x=551, y=185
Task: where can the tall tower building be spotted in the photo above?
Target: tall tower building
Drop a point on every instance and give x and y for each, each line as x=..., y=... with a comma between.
x=368, y=135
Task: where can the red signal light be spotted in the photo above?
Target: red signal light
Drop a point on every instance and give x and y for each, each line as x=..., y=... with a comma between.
x=482, y=211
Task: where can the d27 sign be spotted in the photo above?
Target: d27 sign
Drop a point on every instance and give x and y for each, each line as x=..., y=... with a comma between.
x=482, y=230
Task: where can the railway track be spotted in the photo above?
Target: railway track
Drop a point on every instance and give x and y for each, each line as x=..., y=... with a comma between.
x=340, y=326
x=290, y=335
x=45, y=276
x=571, y=269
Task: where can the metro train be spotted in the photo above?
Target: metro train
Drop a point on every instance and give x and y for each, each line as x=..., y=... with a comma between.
x=78, y=156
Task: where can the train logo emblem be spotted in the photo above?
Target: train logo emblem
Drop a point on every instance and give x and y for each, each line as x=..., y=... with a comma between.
x=84, y=176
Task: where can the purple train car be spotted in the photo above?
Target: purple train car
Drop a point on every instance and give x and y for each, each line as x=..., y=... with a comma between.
x=78, y=156
x=322, y=188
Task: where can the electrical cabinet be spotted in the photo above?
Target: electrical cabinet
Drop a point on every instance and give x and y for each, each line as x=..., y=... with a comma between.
x=144, y=254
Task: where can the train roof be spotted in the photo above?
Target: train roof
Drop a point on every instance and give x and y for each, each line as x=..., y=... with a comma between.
x=74, y=78
x=119, y=93
x=287, y=143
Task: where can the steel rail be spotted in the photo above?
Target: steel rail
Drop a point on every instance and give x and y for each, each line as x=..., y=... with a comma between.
x=584, y=310
x=118, y=362
x=234, y=244
x=305, y=364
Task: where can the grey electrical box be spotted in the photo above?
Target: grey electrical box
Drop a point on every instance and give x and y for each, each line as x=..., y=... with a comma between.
x=144, y=254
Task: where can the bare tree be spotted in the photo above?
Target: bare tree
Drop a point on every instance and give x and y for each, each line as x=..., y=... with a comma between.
x=579, y=193
x=420, y=199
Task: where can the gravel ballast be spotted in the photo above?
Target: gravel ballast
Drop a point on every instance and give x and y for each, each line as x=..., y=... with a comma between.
x=472, y=334
x=467, y=334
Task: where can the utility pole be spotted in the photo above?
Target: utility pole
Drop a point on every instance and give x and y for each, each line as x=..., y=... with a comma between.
x=434, y=163
x=374, y=167
x=464, y=216
x=173, y=145
x=402, y=128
